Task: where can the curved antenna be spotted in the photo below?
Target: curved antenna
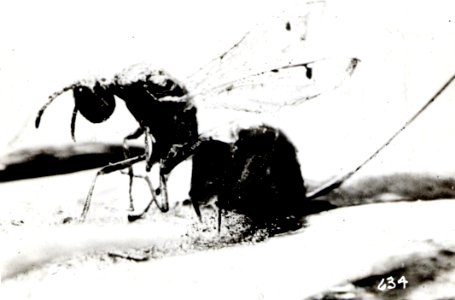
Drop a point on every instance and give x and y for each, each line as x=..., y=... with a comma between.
x=51, y=99
x=73, y=123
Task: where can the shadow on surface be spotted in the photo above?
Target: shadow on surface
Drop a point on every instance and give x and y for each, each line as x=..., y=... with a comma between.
x=393, y=187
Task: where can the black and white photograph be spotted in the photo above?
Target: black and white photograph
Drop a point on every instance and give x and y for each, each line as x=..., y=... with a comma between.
x=294, y=149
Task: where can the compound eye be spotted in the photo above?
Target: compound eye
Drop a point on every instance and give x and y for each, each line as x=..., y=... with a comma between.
x=96, y=104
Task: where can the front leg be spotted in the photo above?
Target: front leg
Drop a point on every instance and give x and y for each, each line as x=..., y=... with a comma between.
x=162, y=206
x=149, y=140
x=106, y=170
x=136, y=134
x=176, y=155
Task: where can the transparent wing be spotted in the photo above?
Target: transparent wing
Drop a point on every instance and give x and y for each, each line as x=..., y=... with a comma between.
x=274, y=65
x=279, y=40
x=274, y=89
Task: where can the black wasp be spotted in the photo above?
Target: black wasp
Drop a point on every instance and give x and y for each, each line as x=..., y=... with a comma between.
x=257, y=173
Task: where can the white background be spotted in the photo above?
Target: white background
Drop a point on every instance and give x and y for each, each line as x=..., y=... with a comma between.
x=407, y=50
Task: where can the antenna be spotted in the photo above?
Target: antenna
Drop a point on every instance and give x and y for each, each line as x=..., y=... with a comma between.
x=51, y=99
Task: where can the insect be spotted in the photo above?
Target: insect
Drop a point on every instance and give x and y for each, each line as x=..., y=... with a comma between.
x=168, y=116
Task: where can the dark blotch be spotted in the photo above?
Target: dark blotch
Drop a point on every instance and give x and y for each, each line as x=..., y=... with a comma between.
x=309, y=72
x=288, y=26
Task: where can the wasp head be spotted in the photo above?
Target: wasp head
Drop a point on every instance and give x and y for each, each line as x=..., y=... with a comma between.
x=94, y=100
x=96, y=103
x=140, y=86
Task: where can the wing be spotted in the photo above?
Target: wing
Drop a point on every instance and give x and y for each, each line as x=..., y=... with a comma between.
x=279, y=40
x=272, y=66
x=271, y=90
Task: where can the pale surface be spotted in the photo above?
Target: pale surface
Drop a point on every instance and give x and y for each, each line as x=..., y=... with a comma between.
x=406, y=50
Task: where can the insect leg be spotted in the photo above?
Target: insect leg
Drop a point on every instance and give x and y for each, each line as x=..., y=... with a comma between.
x=220, y=214
x=163, y=207
x=178, y=154
x=136, y=134
x=106, y=170
x=149, y=140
